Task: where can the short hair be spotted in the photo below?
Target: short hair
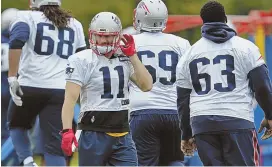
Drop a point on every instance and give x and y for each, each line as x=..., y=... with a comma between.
x=213, y=11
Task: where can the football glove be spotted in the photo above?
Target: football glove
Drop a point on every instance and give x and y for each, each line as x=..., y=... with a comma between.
x=15, y=91
x=68, y=138
x=129, y=48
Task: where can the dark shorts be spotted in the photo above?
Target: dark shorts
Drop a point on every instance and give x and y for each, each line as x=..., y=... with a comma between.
x=228, y=148
x=157, y=137
x=47, y=103
x=100, y=149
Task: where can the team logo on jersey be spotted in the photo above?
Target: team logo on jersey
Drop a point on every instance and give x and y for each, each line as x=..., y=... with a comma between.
x=125, y=102
x=69, y=70
x=123, y=58
x=93, y=119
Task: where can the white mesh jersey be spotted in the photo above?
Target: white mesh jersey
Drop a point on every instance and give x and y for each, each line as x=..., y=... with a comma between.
x=44, y=55
x=217, y=75
x=159, y=52
x=103, y=81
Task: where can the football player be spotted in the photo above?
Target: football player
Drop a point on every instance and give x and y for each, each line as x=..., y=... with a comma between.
x=41, y=40
x=217, y=81
x=101, y=75
x=6, y=18
x=154, y=120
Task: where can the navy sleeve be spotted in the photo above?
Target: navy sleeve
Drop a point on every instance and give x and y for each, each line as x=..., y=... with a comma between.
x=183, y=102
x=19, y=35
x=260, y=84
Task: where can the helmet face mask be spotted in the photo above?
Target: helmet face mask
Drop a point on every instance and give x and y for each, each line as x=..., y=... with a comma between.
x=104, y=43
x=105, y=33
x=150, y=15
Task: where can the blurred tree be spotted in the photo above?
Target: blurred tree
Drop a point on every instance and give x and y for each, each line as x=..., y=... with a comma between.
x=84, y=10
x=232, y=7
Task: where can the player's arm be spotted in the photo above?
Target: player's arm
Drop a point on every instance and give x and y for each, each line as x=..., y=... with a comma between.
x=183, y=96
x=74, y=81
x=263, y=89
x=259, y=80
x=141, y=77
x=72, y=91
x=184, y=89
x=75, y=75
x=19, y=34
x=14, y=59
x=260, y=84
x=183, y=106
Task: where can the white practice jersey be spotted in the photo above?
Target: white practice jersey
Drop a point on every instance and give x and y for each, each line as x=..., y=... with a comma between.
x=160, y=53
x=44, y=55
x=103, y=81
x=218, y=77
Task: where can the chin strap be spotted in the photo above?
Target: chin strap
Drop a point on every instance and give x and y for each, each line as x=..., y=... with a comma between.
x=109, y=54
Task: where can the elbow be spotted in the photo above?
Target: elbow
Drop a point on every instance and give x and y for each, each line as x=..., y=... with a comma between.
x=264, y=91
x=147, y=87
x=147, y=84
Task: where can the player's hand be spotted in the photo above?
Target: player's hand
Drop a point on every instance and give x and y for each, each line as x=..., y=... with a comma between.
x=68, y=137
x=129, y=48
x=267, y=124
x=188, y=147
x=15, y=91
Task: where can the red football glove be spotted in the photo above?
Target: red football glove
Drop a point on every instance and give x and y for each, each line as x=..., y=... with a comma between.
x=129, y=48
x=68, y=137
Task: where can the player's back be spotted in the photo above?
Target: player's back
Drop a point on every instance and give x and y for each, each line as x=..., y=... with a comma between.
x=219, y=75
x=160, y=53
x=44, y=56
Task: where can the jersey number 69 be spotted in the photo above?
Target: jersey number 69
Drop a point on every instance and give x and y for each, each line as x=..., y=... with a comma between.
x=162, y=56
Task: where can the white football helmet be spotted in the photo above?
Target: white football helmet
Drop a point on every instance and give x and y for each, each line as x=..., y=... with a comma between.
x=7, y=17
x=150, y=15
x=105, y=24
x=39, y=3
